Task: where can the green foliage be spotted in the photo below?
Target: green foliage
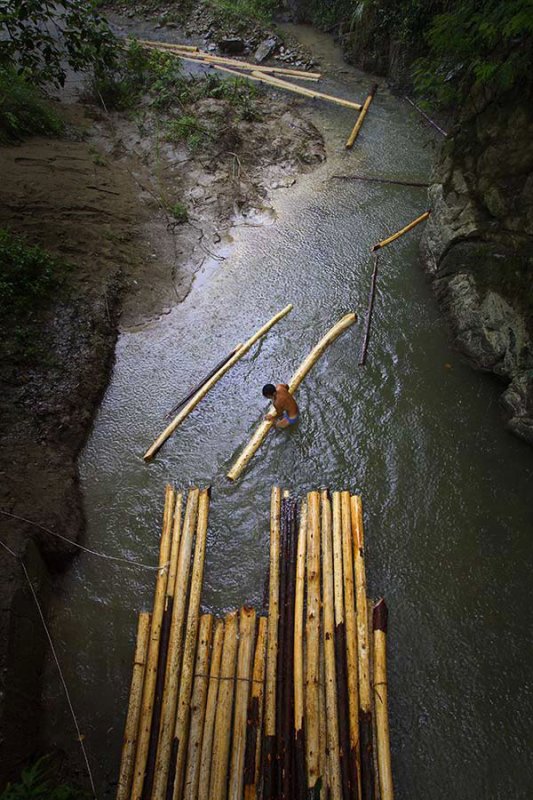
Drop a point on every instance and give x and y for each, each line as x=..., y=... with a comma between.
x=36, y=784
x=23, y=110
x=38, y=36
x=28, y=277
x=179, y=212
x=187, y=128
x=235, y=11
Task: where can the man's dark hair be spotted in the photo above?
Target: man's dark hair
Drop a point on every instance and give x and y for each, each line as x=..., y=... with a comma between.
x=269, y=390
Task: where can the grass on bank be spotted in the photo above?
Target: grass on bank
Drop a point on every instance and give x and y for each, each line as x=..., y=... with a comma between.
x=38, y=782
x=24, y=110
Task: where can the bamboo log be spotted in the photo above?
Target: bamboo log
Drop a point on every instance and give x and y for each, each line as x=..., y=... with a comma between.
x=222, y=734
x=323, y=759
x=401, y=232
x=181, y=731
x=171, y=687
x=186, y=410
x=242, y=693
x=252, y=761
x=204, y=380
x=314, y=95
x=288, y=669
x=272, y=644
x=369, y=179
x=210, y=712
x=365, y=695
x=426, y=117
x=312, y=660
x=282, y=647
x=209, y=58
x=361, y=118
x=380, y=700
x=265, y=426
x=366, y=337
x=351, y=641
x=332, y=723
x=299, y=744
x=198, y=701
x=150, y=678
x=171, y=46
x=132, y=720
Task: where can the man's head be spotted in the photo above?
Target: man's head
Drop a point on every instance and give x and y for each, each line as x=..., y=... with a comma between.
x=269, y=390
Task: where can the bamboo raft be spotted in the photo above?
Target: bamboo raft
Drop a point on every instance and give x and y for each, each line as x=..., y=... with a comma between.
x=289, y=705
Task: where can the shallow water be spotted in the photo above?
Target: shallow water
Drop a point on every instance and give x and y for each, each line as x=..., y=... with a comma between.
x=446, y=491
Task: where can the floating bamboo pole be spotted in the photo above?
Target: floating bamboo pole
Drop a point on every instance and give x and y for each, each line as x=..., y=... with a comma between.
x=314, y=95
x=272, y=644
x=129, y=744
x=204, y=380
x=181, y=731
x=312, y=660
x=380, y=617
x=222, y=733
x=150, y=678
x=186, y=410
x=331, y=711
x=210, y=712
x=242, y=692
x=265, y=426
x=163, y=646
x=361, y=118
x=363, y=648
x=401, y=232
x=368, y=321
x=179, y=610
x=252, y=760
x=351, y=641
x=198, y=701
x=380, y=180
x=209, y=58
x=299, y=744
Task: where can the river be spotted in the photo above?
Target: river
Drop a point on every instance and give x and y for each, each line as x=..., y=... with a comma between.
x=446, y=490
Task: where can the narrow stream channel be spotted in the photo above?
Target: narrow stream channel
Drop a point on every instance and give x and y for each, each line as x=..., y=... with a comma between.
x=446, y=491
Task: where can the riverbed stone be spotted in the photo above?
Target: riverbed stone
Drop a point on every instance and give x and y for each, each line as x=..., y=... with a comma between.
x=265, y=49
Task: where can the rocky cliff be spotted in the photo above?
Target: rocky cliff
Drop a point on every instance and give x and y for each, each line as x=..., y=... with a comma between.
x=478, y=244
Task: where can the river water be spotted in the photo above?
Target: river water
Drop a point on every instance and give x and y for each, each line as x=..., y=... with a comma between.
x=446, y=491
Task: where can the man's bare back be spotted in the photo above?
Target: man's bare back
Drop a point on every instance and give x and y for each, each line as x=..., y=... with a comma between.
x=287, y=411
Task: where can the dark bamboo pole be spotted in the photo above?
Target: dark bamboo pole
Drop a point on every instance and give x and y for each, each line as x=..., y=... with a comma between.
x=282, y=647
x=370, y=309
x=370, y=179
x=201, y=383
x=426, y=117
x=269, y=754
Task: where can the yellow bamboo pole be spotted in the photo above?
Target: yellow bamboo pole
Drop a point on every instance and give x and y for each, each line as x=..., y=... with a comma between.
x=210, y=712
x=351, y=638
x=312, y=93
x=397, y=235
x=262, y=430
x=145, y=722
x=174, y=548
x=179, y=610
x=273, y=637
x=242, y=692
x=132, y=720
x=381, y=700
x=211, y=60
x=332, y=721
x=299, y=622
x=198, y=700
x=360, y=119
x=312, y=660
x=222, y=734
x=255, y=715
x=170, y=46
x=188, y=407
x=181, y=731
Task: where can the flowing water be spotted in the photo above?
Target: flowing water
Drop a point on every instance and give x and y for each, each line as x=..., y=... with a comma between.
x=446, y=491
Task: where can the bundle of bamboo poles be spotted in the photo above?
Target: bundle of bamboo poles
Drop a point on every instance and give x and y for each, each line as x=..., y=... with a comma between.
x=289, y=706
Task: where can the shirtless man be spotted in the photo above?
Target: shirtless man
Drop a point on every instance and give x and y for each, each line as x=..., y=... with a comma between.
x=284, y=403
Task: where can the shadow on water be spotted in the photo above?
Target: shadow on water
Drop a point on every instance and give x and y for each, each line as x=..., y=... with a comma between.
x=447, y=492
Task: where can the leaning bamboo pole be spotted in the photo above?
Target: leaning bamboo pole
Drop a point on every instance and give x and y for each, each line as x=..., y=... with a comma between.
x=222, y=734
x=361, y=118
x=210, y=712
x=351, y=640
x=174, y=410
x=129, y=744
x=198, y=704
x=261, y=432
x=312, y=659
x=209, y=58
x=299, y=744
x=179, y=610
x=252, y=760
x=401, y=232
x=186, y=410
x=380, y=616
x=314, y=95
x=363, y=648
x=242, y=692
x=332, y=722
x=181, y=731
x=272, y=645
x=150, y=678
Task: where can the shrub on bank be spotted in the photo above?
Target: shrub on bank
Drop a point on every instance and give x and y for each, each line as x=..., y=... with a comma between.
x=24, y=110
